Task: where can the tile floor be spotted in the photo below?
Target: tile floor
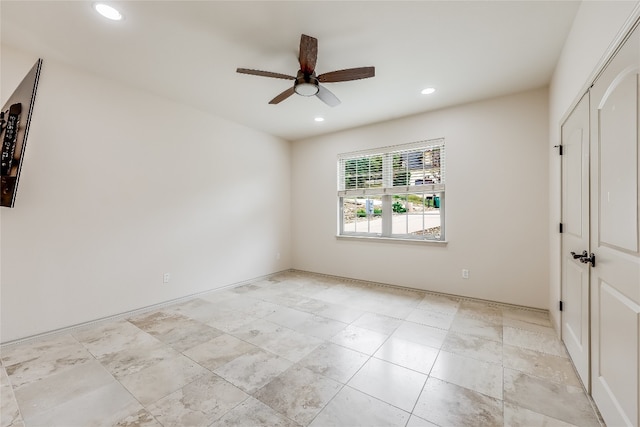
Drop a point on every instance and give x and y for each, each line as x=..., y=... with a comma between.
x=300, y=349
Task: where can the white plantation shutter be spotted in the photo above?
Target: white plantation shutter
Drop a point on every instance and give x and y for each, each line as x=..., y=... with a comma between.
x=410, y=168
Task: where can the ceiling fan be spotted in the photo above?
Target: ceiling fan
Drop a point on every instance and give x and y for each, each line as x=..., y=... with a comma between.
x=306, y=83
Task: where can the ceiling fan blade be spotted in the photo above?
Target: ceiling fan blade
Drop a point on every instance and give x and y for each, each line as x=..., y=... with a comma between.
x=348, y=74
x=264, y=74
x=327, y=96
x=308, y=53
x=284, y=95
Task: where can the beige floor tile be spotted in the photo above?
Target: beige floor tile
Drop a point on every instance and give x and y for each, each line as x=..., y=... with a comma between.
x=136, y=357
x=104, y=406
x=473, y=347
x=287, y=299
x=34, y=361
x=378, y=322
x=329, y=310
x=111, y=337
x=252, y=412
x=227, y=320
x=483, y=377
x=390, y=383
x=447, y=404
x=439, y=304
x=176, y=330
x=516, y=416
x=219, y=351
x=252, y=306
x=533, y=327
x=162, y=379
x=198, y=403
x=481, y=311
x=353, y=408
x=421, y=334
x=44, y=348
x=408, y=354
x=284, y=342
x=419, y=422
x=546, y=366
x=543, y=343
x=334, y=361
x=477, y=327
x=360, y=339
x=562, y=402
x=529, y=316
x=9, y=411
x=311, y=324
x=431, y=318
x=61, y=387
x=141, y=418
x=298, y=393
x=252, y=371
x=392, y=310
x=205, y=304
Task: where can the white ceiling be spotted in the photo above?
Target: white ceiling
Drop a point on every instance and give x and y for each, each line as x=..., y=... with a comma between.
x=188, y=51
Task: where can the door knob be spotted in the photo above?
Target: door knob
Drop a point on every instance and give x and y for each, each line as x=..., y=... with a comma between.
x=589, y=259
x=580, y=256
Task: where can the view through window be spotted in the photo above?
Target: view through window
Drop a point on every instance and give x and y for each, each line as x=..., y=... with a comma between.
x=393, y=192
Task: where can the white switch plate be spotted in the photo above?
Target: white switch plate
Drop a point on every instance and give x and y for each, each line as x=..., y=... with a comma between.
x=465, y=273
x=166, y=277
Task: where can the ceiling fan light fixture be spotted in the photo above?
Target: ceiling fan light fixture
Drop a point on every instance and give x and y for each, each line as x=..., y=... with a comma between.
x=306, y=89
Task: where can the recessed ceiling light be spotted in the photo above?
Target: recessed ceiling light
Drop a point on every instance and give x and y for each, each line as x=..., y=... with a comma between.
x=428, y=91
x=319, y=119
x=107, y=11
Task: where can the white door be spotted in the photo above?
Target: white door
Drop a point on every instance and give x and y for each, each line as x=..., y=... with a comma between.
x=615, y=237
x=575, y=237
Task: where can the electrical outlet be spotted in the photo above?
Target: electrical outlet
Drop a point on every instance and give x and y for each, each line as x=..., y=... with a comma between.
x=465, y=273
x=166, y=277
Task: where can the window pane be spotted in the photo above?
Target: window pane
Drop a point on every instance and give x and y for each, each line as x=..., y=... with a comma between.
x=417, y=167
x=362, y=215
x=417, y=215
x=363, y=172
x=401, y=174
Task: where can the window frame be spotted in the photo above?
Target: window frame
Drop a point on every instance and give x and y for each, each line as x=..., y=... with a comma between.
x=365, y=186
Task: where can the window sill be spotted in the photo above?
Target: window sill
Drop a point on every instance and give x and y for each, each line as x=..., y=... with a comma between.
x=393, y=240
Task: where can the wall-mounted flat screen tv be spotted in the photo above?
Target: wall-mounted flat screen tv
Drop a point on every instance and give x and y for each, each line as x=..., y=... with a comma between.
x=15, y=118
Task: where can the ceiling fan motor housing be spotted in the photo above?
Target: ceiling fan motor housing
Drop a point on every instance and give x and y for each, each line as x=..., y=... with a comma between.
x=306, y=84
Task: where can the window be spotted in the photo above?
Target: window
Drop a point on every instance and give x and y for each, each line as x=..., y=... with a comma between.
x=393, y=192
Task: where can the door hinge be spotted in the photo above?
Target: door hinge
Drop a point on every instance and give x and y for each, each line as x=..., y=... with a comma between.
x=559, y=147
x=560, y=305
x=560, y=227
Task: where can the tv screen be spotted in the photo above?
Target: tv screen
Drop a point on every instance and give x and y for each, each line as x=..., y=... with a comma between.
x=15, y=118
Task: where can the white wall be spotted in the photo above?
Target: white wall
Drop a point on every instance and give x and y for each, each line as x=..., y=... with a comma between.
x=594, y=31
x=497, y=168
x=118, y=187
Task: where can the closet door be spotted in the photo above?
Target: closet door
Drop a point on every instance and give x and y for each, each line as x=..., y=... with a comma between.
x=575, y=237
x=615, y=237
